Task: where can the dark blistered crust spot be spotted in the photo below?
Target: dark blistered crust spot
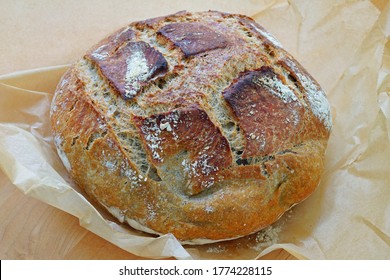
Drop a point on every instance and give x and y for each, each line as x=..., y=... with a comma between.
x=193, y=38
x=187, y=130
x=269, y=117
x=130, y=67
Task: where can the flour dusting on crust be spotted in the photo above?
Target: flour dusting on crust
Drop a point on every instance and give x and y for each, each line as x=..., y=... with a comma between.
x=137, y=72
x=279, y=89
x=318, y=102
x=315, y=95
x=268, y=36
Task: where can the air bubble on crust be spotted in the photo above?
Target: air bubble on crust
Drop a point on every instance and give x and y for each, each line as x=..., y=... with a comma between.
x=153, y=174
x=93, y=137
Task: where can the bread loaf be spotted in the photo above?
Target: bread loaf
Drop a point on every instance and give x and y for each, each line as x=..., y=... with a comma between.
x=195, y=124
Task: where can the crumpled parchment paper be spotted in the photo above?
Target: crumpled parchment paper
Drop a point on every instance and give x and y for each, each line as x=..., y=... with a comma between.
x=343, y=44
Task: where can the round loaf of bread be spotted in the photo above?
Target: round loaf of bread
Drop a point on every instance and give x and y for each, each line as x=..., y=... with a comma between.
x=195, y=124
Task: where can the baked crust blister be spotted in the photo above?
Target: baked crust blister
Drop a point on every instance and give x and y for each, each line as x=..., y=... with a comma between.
x=196, y=124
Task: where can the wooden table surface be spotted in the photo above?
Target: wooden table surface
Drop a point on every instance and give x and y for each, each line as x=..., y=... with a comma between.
x=31, y=229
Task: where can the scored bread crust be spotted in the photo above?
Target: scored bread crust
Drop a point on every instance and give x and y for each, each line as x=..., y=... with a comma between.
x=195, y=124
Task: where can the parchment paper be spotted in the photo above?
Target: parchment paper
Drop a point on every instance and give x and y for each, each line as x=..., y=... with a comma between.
x=343, y=44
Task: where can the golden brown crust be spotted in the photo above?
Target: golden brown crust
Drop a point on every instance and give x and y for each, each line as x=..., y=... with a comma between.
x=197, y=124
x=189, y=131
x=270, y=122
